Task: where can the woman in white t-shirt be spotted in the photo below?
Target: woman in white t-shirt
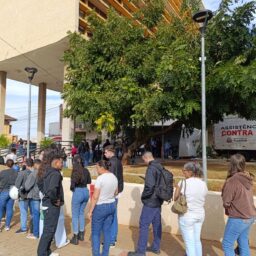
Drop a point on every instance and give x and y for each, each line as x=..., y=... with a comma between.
x=102, y=208
x=190, y=223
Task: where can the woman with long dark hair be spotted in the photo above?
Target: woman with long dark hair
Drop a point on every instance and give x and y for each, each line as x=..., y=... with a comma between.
x=103, y=207
x=80, y=178
x=237, y=196
x=50, y=184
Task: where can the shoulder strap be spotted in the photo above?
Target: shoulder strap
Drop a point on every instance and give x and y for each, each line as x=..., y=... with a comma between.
x=161, y=171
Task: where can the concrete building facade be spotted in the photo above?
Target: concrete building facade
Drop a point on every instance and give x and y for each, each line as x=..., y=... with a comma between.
x=34, y=33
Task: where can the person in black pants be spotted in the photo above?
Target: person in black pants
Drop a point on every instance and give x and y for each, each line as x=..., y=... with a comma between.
x=51, y=186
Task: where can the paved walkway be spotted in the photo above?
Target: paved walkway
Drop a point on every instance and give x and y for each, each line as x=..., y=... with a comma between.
x=12, y=244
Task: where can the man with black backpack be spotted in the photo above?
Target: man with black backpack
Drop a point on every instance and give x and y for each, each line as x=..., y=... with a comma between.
x=158, y=188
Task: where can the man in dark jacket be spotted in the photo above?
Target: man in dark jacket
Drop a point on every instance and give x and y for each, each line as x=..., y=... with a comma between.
x=52, y=201
x=116, y=168
x=151, y=211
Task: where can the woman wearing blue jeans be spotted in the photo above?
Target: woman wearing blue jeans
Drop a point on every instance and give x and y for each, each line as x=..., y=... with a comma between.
x=190, y=223
x=80, y=178
x=102, y=209
x=237, y=196
x=7, y=179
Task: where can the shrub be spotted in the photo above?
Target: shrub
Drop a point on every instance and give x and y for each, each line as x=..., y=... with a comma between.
x=4, y=141
x=46, y=142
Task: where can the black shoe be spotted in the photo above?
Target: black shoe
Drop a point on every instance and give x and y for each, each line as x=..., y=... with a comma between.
x=21, y=231
x=135, y=254
x=150, y=249
x=81, y=236
x=74, y=240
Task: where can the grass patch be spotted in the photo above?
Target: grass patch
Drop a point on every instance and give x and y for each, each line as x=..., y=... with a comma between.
x=216, y=170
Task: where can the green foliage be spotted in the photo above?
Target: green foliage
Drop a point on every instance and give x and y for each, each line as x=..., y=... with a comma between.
x=46, y=142
x=123, y=78
x=151, y=13
x=4, y=141
x=231, y=44
x=78, y=138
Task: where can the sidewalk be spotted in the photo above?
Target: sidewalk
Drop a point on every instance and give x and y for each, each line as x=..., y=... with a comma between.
x=12, y=244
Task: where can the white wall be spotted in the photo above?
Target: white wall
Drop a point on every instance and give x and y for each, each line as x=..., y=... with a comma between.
x=27, y=25
x=129, y=209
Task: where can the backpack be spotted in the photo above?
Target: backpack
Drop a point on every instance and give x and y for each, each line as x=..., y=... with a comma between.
x=164, y=186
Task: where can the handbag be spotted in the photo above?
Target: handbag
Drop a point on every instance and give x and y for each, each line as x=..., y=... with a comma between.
x=180, y=205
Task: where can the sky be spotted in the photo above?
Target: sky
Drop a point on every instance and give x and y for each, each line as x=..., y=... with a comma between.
x=17, y=107
x=17, y=98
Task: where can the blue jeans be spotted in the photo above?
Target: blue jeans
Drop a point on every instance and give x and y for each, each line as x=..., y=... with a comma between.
x=24, y=205
x=35, y=209
x=102, y=219
x=237, y=230
x=114, y=227
x=190, y=227
x=149, y=216
x=79, y=200
x=6, y=204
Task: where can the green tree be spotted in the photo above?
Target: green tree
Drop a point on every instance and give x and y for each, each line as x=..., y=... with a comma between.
x=130, y=77
x=125, y=77
x=4, y=141
x=46, y=142
x=231, y=77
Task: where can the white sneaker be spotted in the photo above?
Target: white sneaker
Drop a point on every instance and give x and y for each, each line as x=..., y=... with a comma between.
x=54, y=254
x=6, y=228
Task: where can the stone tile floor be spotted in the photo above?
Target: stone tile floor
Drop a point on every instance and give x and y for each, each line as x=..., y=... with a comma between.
x=12, y=244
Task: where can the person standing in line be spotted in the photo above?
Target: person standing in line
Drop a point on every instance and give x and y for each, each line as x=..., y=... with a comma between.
x=34, y=199
x=7, y=179
x=23, y=195
x=80, y=178
x=86, y=154
x=73, y=150
x=12, y=156
x=53, y=199
x=102, y=208
x=151, y=211
x=190, y=223
x=237, y=196
x=116, y=168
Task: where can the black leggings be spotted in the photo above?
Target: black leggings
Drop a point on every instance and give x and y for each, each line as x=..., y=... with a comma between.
x=51, y=216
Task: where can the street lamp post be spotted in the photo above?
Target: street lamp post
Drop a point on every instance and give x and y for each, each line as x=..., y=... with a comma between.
x=202, y=17
x=31, y=72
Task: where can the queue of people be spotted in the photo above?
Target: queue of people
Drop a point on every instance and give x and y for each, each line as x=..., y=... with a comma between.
x=40, y=191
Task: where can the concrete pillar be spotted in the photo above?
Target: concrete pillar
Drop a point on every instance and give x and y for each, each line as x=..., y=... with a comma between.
x=41, y=112
x=2, y=99
x=67, y=130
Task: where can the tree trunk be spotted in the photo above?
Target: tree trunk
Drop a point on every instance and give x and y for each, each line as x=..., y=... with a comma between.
x=142, y=138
